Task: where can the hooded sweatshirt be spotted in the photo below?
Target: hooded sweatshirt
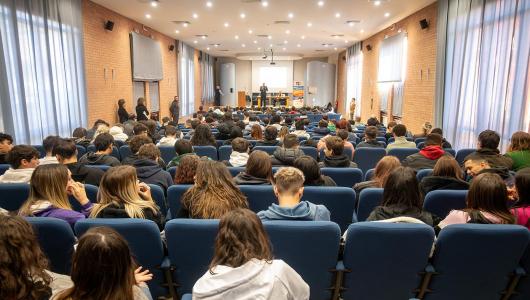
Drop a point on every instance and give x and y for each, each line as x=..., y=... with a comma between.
x=432, y=183
x=118, y=212
x=522, y=214
x=167, y=141
x=393, y=211
x=337, y=161
x=493, y=157
x=45, y=209
x=176, y=160
x=117, y=133
x=150, y=172
x=245, y=179
x=238, y=159
x=83, y=174
x=504, y=173
x=256, y=279
x=48, y=160
x=91, y=158
x=303, y=211
x=17, y=175
x=283, y=156
x=425, y=159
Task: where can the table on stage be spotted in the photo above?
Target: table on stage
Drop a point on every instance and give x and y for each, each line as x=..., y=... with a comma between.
x=286, y=100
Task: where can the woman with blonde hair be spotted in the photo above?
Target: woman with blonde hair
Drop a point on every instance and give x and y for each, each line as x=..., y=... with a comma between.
x=519, y=150
x=282, y=133
x=101, y=129
x=121, y=195
x=382, y=170
x=48, y=195
x=213, y=194
x=256, y=133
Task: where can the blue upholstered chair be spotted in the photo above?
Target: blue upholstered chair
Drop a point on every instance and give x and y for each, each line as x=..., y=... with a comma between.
x=4, y=168
x=523, y=288
x=441, y=202
x=103, y=168
x=13, y=195
x=41, y=150
x=369, y=175
x=346, y=177
x=402, y=153
x=419, y=140
x=369, y=199
x=224, y=152
x=423, y=173
x=462, y=153
x=172, y=171
x=367, y=158
x=174, y=193
x=160, y=199
x=167, y=153
x=80, y=151
x=310, y=151
x=236, y=170
x=209, y=151
x=125, y=151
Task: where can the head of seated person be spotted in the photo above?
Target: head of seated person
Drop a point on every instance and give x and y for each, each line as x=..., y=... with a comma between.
x=343, y=134
x=194, y=123
x=488, y=139
x=149, y=151
x=271, y=133
x=323, y=124
x=372, y=122
x=104, y=143
x=447, y=166
x=140, y=129
x=299, y=125
x=390, y=126
x=334, y=146
x=240, y=145
x=171, y=131
x=275, y=119
x=203, y=136
x=6, y=143
x=290, y=141
x=23, y=157
x=433, y=140
x=311, y=170
x=138, y=141
x=66, y=152
x=522, y=186
x=259, y=165
x=399, y=130
x=48, y=143
x=186, y=170
x=236, y=132
x=475, y=165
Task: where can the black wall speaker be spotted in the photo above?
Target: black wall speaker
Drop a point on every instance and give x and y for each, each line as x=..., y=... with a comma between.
x=368, y=47
x=424, y=24
x=109, y=25
x=171, y=47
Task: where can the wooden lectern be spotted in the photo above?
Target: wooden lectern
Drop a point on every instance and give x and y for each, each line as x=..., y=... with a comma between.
x=241, y=99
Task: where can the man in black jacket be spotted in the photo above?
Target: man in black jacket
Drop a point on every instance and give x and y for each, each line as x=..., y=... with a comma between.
x=428, y=156
x=288, y=152
x=102, y=156
x=174, y=109
x=66, y=153
x=334, y=155
x=148, y=169
x=488, y=144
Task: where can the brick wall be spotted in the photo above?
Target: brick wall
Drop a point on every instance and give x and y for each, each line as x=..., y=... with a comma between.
x=418, y=102
x=108, y=63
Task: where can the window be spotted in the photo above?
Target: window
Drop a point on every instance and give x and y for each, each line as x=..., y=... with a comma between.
x=391, y=72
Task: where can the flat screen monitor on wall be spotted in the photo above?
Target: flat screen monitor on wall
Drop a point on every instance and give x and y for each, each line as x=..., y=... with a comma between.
x=146, y=58
x=278, y=77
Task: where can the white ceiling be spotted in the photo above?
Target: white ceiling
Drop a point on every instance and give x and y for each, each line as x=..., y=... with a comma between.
x=300, y=38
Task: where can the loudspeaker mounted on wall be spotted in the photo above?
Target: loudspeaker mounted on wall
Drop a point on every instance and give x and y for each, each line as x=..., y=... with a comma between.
x=369, y=47
x=424, y=24
x=171, y=47
x=109, y=25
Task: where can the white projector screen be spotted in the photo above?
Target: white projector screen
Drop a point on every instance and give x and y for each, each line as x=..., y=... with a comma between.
x=278, y=77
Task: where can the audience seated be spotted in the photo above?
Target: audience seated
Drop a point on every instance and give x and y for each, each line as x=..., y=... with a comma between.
x=486, y=203
x=182, y=149
x=103, y=268
x=256, y=132
x=103, y=128
x=382, y=170
x=48, y=144
x=23, y=160
x=92, y=131
x=288, y=184
x=402, y=198
x=488, y=143
x=275, y=121
x=445, y=143
x=117, y=133
x=389, y=129
x=170, y=137
x=521, y=209
x=334, y=156
x=243, y=266
x=425, y=130
x=66, y=153
x=257, y=171
x=6, y=143
x=447, y=175
x=239, y=155
x=235, y=133
x=311, y=170
x=400, y=141
x=148, y=168
x=476, y=165
x=519, y=150
x=140, y=129
x=79, y=137
x=135, y=143
x=270, y=137
x=186, y=170
x=203, y=136
x=428, y=156
x=300, y=129
x=343, y=134
x=322, y=128
x=48, y=195
x=370, y=138
x=121, y=196
x=213, y=193
x=104, y=145
x=282, y=133
x=288, y=152
x=224, y=132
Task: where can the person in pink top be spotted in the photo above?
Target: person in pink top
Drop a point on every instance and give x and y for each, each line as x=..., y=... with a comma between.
x=521, y=209
x=486, y=203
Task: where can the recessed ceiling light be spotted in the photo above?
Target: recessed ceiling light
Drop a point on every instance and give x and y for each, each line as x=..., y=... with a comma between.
x=335, y=48
x=387, y=15
x=326, y=45
x=209, y=4
x=154, y=3
x=148, y=16
x=264, y=3
x=298, y=45
x=236, y=37
x=270, y=37
x=270, y=45
x=255, y=42
x=320, y=3
x=309, y=24
x=285, y=42
x=290, y=15
x=259, y=48
x=177, y=31
x=185, y=24
x=284, y=49
x=337, y=15
x=195, y=16
x=195, y=42
x=351, y=24
x=250, y=31
x=203, y=37
x=242, y=15
x=208, y=48
x=377, y=3
x=226, y=24
x=362, y=30
x=303, y=37
x=287, y=31
x=345, y=41
x=216, y=45
x=243, y=45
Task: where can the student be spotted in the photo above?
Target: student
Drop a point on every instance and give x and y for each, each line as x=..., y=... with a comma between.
x=23, y=160
x=135, y=143
x=300, y=129
x=48, y=143
x=101, y=129
x=402, y=198
x=140, y=129
x=6, y=143
x=288, y=152
x=370, y=139
x=389, y=128
x=203, y=136
x=256, y=133
x=171, y=137
x=334, y=157
x=92, y=131
x=425, y=130
x=235, y=133
x=239, y=155
x=257, y=171
x=282, y=133
x=488, y=143
x=121, y=196
x=182, y=148
x=243, y=266
x=123, y=115
x=521, y=209
x=66, y=153
x=445, y=143
x=142, y=114
x=400, y=141
x=193, y=123
x=322, y=128
x=185, y=173
x=447, y=175
x=149, y=170
x=275, y=121
x=117, y=133
x=79, y=137
x=382, y=170
x=288, y=184
x=213, y=193
x=311, y=171
x=519, y=150
x=253, y=120
x=270, y=137
x=48, y=195
x=477, y=165
x=486, y=203
x=152, y=130
x=103, y=268
x=428, y=156
x=104, y=145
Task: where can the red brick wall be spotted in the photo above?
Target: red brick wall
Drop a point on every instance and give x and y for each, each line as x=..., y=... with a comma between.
x=418, y=102
x=108, y=63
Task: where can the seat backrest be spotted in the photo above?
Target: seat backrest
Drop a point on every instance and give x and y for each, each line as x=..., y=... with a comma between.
x=423, y=173
x=462, y=153
x=369, y=199
x=224, y=152
x=103, y=168
x=346, y=177
x=172, y=171
x=157, y=193
x=310, y=151
x=385, y=259
x=167, y=153
x=125, y=151
x=236, y=170
x=190, y=244
x=209, y=151
x=80, y=151
x=523, y=288
x=143, y=237
x=174, y=193
x=41, y=150
x=381, y=139
x=4, y=168
x=452, y=152
x=367, y=158
x=269, y=149
x=420, y=145
x=369, y=175
x=92, y=194
x=13, y=195
x=310, y=248
x=56, y=240
x=474, y=261
x=402, y=153
x=115, y=151
x=419, y=140
x=441, y=202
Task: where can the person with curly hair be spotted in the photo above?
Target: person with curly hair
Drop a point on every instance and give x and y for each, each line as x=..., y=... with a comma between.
x=203, y=136
x=185, y=173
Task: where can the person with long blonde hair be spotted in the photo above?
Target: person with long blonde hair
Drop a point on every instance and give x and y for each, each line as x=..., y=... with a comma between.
x=48, y=195
x=213, y=194
x=122, y=196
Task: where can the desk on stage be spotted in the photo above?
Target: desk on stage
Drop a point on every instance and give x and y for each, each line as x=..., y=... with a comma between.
x=274, y=101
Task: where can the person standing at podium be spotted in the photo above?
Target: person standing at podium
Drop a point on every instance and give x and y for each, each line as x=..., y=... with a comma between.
x=218, y=94
x=263, y=93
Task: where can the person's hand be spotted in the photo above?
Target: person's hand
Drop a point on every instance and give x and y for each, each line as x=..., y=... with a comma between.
x=144, y=191
x=142, y=276
x=512, y=193
x=77, y=190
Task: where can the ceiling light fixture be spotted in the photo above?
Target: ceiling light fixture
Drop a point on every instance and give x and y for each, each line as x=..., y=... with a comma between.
x=236, y=37
x=195, y=16
x=208, y=49
x=320, y=3
x=362, y=30
x=250, y=31
x=195, y=42
x=287, y=31
x=285, y=42
x=303, y=37
x=309, y=24
x=377, y=3
x=298, y=45
x=185, y=24
x=242, y=15
x=203, y=37
x=264, y=3
x=270, y=37
x=154, y=3
x=243, y=45
x=337, y=15
x=284, y=49
x=255, y=42
x=177, y=31
x=209, y=4
x=226, y=24
x=148, y=16
x=387, y=15
x=335, y=48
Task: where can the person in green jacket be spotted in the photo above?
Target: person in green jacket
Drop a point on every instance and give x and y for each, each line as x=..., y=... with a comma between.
x=182, y=148
x=519, y=150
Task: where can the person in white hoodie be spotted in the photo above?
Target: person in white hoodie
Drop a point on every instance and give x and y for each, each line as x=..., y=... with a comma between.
x=117, y=133
x=49, y=143
x=243, y=267
x=239, y=155
x=23, y=160
x=171, y=137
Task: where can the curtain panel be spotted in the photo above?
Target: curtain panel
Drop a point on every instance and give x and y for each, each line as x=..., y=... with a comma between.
x=207, y=76
x=186, y=79
x=391, y=72
x=354, y=78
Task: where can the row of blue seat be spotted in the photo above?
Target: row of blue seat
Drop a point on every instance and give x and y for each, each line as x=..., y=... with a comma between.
x=380, y=260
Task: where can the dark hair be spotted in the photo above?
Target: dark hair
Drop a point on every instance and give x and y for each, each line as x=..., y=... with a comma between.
x=139, y=128
x=100, y=122
x=49, y=142
x=170, y=130
x=236, y=132
x=65, y=149
x=488, y=193
x=79, y=132
x=103, y=141
x=522, y=184
x=138, y=141
x=149, y=151
x=399, y=130
x=259, y=165
x=299, y=125
x=290, y=141
x=309, y=166
x=271, y=133
x=370, y=133
x=194, y=123
x=433, y=139
x=391, y=124
x=438, y=131
x=240, y=145
x=203, y=136
x=520, y=141
x=121, y=102
x=20, y=152
x=343, y=134
x=185, y=173
x=140, y=101
x=275, y=119
x=4, y=137
x=447, y=166
x=335, y=145
x=372, y=122
x=241, y=237
x=323, y=123
x=183, y=147
x=401, y=188
x=342, y=124
x=489, y=139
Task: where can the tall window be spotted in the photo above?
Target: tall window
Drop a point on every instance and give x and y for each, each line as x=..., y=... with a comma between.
x=42, y=89
x=354, y=77
x=208, y=92
x=187, y=79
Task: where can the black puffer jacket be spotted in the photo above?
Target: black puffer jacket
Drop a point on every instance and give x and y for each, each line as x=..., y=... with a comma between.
x=432, y=183
x=84, y=174
x=118, y=212
x=92, y=158
x=394, y=211
x=338, y=161
x=245, y=179
x=286, y=157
